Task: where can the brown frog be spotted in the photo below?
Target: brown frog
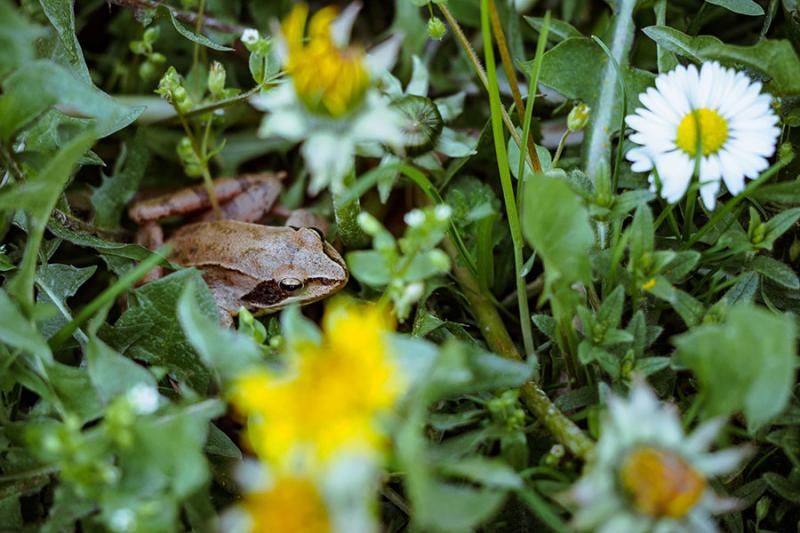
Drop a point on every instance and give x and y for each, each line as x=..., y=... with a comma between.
x=262, y=268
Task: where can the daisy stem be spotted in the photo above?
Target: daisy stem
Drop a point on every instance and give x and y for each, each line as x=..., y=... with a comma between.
x=730, y=205
x=688, y=215
x=346, y=211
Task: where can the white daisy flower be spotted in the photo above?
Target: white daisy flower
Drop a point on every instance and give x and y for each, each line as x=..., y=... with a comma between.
x=329, y=101
x=250, y=36
x=736, y=124
x=648, y=475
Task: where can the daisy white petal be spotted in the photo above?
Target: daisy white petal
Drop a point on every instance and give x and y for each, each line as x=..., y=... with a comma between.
x=733, y=119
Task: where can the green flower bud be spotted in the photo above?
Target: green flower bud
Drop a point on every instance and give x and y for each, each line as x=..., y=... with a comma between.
x=436, y=28
x=216, y=79
x=578, y=117
x=147, y=70
x=762, y=507
x=157, y=58
x=151, y=35
x=138, y=48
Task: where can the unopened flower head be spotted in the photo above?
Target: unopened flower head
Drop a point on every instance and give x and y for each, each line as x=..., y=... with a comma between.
x=715, y=116
x=414, y=218
x=648, y=475
x=333, y=400
x=327, y=78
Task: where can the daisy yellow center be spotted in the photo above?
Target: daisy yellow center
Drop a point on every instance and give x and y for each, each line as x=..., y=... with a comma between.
x=661, y=483
x=713, y=131
x=328, y=79
x=291, y=506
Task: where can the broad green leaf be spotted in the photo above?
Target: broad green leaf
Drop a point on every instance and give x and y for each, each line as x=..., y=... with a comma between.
x=166, y=457
x=41, y=84
x=61, y=15
x=778, y=225
x=16, y=332
x=484, y=471
x=196, y=37
x=687, y=306
x=112, y=196
x=111, y=373
x=153, y=308
x=74, y=390
x=17, y=38
x=742, y=7
x=369, y=267
x=56, y=283
x=62, y=227
x=744, y=364
x=225, y=351
x=453, y=508
x=775, y=58
x=556, y=224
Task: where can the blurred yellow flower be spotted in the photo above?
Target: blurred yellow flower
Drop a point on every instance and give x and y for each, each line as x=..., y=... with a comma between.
x=290, y=505
x=327, y=78
x=334, y=396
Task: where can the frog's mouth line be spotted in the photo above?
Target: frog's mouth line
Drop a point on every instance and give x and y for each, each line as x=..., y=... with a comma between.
x=269, y=295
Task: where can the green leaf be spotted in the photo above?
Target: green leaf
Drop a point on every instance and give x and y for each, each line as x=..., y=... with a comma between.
x=74, y=389
x=225, y=351
x=558, y=30
x=556, y=224
x=17, y=332
x=742, y=7
x=154, y=308
x=196, y=37
x=447, y=507
x=114, y=194
x=61, y=227
x=778, y=225
x=41, y=84
x=687, y=306
x=484, y=471
x=745, y=363
x=167, y=452
x=784, y=488
x=61, y=15
x=17, y=38
x=778, y=272
x=775, y=58
x=111, y=373
x=369, y=267
x=57, y=283
x=38, y=196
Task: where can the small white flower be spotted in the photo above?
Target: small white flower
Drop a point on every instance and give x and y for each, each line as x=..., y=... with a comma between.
x=122, y=520
x=250, y=36
x=647, y=474
x=414, y=218
x=443, y=212
x=736, y=124
x=143, y=398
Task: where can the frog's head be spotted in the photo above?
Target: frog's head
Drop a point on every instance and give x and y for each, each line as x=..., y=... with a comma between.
x=310, y=269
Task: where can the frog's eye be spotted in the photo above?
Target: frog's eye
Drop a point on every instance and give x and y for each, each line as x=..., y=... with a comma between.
x=291, y=284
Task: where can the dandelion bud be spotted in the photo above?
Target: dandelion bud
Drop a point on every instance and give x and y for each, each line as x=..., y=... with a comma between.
x=578, y=117
x=436, y=28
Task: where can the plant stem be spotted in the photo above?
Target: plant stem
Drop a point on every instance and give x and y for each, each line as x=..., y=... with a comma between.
x=508, y=68
x=494, y=331
x=346, y=210
x=199, y=152
x=533, y=158
x=688, y=215
x=505, y=181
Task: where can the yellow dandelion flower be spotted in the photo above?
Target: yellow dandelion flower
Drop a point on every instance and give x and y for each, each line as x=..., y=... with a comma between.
x=290, y=505
x=327, y=78
x=334, y=396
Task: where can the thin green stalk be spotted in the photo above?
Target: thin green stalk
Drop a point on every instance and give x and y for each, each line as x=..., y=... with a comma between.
x=108, y=295
x=200, y=153
x=505, y=176
x=346, y=210
x=560, y=149
x=691, y=200
x=720, y=213
x=533, y=158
